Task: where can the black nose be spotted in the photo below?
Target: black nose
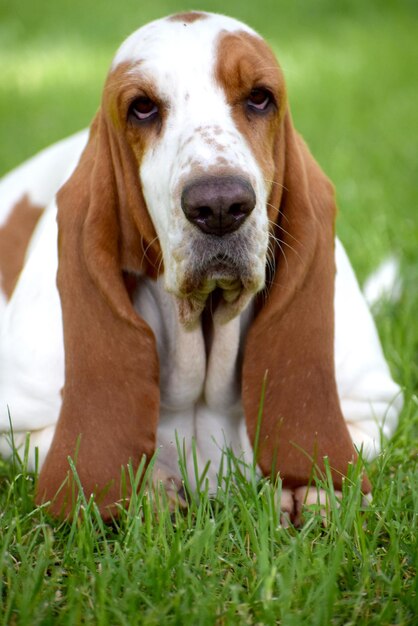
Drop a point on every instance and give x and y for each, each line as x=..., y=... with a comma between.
x=218, y=204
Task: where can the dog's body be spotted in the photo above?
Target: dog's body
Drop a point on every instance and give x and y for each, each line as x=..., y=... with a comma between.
x=192, y=276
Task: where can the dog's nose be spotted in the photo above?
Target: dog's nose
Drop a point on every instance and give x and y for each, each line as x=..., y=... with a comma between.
x=218, y=204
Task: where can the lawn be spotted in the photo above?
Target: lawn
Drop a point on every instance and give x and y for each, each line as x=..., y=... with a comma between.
x=352, y=74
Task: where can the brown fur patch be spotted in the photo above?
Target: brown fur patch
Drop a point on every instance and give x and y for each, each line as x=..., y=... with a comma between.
x=245, y=62
x=122, y=87
x=14, y=239
x=188, y=17
x=106, y=239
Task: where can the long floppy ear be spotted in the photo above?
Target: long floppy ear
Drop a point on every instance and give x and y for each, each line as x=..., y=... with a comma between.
x=111, y=394
x=292, y=337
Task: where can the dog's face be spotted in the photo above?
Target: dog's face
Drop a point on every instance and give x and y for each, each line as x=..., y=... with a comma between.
x=201, y=100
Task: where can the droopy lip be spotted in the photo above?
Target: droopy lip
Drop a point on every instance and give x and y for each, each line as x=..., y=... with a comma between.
x=215, y=272
x=227, y=299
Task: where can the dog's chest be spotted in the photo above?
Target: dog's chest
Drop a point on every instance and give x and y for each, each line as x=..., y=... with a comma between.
x=199, y=365
x=199, y=382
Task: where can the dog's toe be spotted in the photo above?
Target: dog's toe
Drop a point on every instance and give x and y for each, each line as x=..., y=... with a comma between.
x=314, y=499
x=170, y=487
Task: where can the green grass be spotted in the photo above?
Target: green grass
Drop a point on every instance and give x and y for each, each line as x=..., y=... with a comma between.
x=352, y=70
x=224, y=560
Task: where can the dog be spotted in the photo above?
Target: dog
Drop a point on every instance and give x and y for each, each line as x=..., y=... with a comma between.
x=197, y=295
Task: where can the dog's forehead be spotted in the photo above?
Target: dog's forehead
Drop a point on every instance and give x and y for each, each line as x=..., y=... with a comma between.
x=175, y=41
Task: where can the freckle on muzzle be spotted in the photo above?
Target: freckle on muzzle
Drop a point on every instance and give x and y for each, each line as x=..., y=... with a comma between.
x=218, y=205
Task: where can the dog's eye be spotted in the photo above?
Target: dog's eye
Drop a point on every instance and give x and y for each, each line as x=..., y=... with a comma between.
x=143, y=108
x=259, y=99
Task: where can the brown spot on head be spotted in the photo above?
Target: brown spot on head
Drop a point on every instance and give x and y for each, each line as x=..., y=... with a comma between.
x=188, y=17
x=130, y=138
x=124, y=85
x=220, y=160
x=14, y=239
x=246, y=63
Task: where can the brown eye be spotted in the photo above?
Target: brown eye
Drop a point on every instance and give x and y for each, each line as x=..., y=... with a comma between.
x=259, y=99
x=143, y=108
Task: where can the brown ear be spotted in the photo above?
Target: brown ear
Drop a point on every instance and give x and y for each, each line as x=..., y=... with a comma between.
x=111, y=394
x=292, y=337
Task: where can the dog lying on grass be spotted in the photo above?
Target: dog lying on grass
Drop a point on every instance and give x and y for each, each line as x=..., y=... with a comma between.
x=201, y=294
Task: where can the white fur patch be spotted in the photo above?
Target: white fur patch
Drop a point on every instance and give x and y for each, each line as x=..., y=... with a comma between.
x=41, y=176
x=177, y=38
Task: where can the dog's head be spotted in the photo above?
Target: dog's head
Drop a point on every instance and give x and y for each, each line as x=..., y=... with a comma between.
x=196, y=104
x=207, y=107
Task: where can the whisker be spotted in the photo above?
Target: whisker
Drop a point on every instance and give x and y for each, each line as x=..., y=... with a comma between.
x=277, y=209
x=275, y=182
x=283, y=253
x=144, y=251
x=276, y=225
x=271, y=259
x=160, y=263
x=281, y=241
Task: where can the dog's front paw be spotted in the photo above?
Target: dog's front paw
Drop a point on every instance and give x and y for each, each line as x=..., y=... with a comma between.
x=315, y=500
x=294, y=503
x=168, y=487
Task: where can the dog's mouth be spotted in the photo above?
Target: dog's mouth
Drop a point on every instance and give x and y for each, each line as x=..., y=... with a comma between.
x=222, y=284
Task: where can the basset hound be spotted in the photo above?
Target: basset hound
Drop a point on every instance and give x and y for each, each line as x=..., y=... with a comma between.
x=195, y=287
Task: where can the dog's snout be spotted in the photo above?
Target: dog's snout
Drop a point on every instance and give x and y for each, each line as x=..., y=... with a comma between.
x=218, y=204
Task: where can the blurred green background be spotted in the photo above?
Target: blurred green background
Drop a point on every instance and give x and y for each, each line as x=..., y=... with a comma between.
x=352, y=73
